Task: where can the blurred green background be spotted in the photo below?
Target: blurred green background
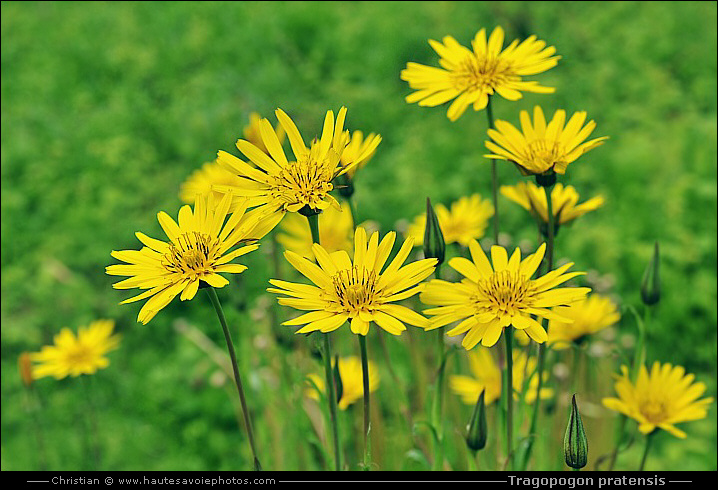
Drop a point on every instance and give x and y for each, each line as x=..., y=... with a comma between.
x=107, y=108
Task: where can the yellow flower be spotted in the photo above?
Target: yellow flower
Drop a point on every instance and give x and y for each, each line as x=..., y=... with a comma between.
x=542, y=148
x=350, y=372
x=487, y=376
x=470, y=77
x=335, y=232
x=563, y=200
x=201, y=182
x=493, y=297
x=359, y=151
x=664, y=397
x=357, y=291
x=73, y=356
x=253, y=133
x=198, y=251
x=280, y=185
x=466, y=221
x=589, y=316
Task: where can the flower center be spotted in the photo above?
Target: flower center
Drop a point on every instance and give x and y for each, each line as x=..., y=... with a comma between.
x=654, y=410
x=544, y=155
x=480, y=74
x=355, y=288
x=79, y=355
x=306, y=181
x=504, y=291
x=194, y=254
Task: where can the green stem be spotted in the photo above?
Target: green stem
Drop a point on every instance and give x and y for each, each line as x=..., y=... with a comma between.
x=367, y=414
x=314, y=226
x=639, y=356
x=619, y=439
x=353, y=208
x=331, y=395
x=551, y=226
x=542, y=347
x=237, y=379
x=649, y=439
x=313, y=219
x=438, y=404
x=494, y=178
x=509, y=397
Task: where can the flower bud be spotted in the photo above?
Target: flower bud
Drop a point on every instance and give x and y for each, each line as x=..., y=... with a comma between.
x=476, y=430
x=434, y=246
x=337, y=379
x=651, y=284
x=25, y=366
x=575, y=444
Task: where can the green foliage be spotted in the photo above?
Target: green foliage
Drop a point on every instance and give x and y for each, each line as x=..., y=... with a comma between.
x=107, y=107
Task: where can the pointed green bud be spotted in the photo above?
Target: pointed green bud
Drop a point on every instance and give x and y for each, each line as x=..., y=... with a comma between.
x=575, y=444
x=434, y=246
x=651, y=284
x=476, y=430
x=337, y=379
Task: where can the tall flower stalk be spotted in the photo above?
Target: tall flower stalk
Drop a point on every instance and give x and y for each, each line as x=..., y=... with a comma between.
x=542, y=347
x=494, y=177
x=367, y=407
x=237, y=378
x=313, y=219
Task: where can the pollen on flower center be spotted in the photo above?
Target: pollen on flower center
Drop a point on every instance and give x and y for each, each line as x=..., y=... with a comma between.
x=304, y=181
x=478, y=74
x=506, y=291
x=80, y=355
x=355, y=288
x=539, y=151
x=654, y=410
x=193, y=254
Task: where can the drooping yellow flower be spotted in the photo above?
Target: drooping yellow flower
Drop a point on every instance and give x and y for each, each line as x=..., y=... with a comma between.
x=359, y=151
x=357, y=291
x=202, y=180
x=75, y=355
x=350, y=372
x=336, y=230
x=589, y=316
x=490, y=298
x=252, y=132
x=470, y=77
x=541, y=148
x=661, y=399
x=466, y=221
x=487, y=376
x=563, y=200
x=198, y=251
x=280, y=185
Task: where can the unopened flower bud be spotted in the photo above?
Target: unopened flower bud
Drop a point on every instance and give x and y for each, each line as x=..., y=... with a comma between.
x=434, y=246
x=575, y=444
x=476, y=430
x=25, y=366
x=651, y=284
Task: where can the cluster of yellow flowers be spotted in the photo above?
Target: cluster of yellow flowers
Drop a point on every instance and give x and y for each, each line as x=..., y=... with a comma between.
x=351, y=276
